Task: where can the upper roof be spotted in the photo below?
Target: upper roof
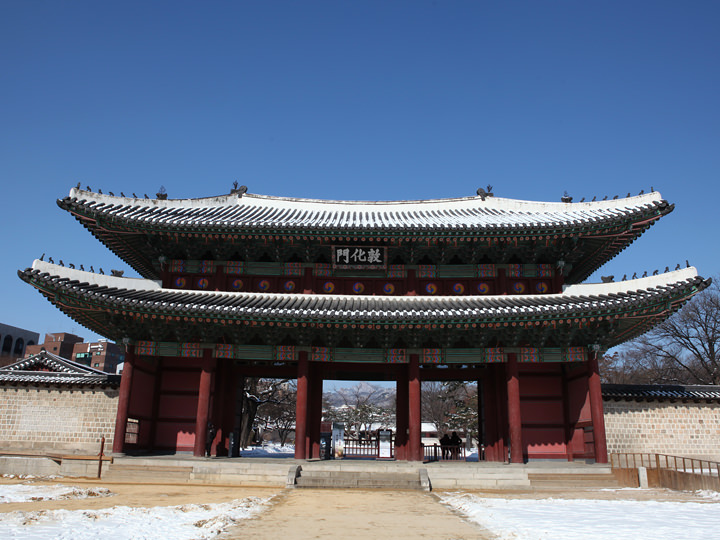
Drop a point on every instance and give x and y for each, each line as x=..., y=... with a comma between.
x=606, y=226
x=249, y=212
x=661, y=392
x=47, y=368
x=636, y=304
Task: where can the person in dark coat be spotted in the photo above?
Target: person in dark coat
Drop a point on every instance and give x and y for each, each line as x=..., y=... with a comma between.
x=455, y=442
x=445, y=446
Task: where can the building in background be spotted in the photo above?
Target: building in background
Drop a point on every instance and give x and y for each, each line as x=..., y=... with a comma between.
x=13, y=342
x=103, y=354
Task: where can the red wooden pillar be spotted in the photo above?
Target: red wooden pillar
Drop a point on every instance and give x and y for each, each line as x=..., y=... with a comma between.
x=124, y=401
x=203, y=406
x=415, y=451
x=401, y=412
x=481, y=415
x=596, y=409
x=490, y=416
x=225, y=404
x=501, y=417
x=514, y=416
x=157, y=386
x=568, y=425
x=315, y=412
x=301, y=406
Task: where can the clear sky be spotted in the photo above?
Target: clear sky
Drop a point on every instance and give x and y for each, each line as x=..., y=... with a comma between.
x=354, y=100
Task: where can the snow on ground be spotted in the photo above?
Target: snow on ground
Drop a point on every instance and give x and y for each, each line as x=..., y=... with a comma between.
x=569, y=519
x=272, y=450
x=29, y=492
x=186, y=522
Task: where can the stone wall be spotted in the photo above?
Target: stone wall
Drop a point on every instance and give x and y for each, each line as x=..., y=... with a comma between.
x=57, y=420
x=675, y=428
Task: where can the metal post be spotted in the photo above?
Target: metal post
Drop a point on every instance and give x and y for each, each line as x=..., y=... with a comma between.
x=100, y=455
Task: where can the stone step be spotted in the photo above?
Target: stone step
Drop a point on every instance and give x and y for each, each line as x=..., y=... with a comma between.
x=482, y=483
x=309, y=473
x=343, y=483
x=578, y=480
x=364, y=480
x=438, y=473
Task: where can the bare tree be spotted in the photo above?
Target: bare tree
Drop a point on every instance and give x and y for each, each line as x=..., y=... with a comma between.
x=279, y=415
x=683, y=349
x=451, y=406
x=361, y=408
x=437, y=404
x=258, y=392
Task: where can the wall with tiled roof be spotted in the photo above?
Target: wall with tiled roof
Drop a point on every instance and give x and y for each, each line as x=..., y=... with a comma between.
x=677, y=426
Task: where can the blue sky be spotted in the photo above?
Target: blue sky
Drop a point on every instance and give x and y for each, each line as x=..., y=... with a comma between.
x=354, y=100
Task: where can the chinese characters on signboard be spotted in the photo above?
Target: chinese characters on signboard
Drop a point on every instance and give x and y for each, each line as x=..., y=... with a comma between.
x=358, y=257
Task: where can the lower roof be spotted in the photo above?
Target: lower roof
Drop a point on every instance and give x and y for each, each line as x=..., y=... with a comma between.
x=626, y=308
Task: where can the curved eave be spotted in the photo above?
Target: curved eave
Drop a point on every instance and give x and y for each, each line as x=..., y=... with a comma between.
x=640, y=304
x=612, y=225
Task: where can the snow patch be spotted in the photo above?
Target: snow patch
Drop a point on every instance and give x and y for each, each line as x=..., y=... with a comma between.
x=569, y=519
x=186, y=522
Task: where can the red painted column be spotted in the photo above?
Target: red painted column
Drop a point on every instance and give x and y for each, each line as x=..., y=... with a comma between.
x=415, y=451
x=157, y=385
x=401, y=412
x=226, y=404
x=203, y=407
x=315, y=412
x=501, y=421
x=566, y=413
x=124, y=401
x=596, y=409
x=301, y=406
x=490, y=414
x=514, y=416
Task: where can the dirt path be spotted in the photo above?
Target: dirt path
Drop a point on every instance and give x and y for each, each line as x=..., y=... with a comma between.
x=301, y=514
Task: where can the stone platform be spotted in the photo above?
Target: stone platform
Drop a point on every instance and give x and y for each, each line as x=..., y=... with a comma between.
x=345, y=473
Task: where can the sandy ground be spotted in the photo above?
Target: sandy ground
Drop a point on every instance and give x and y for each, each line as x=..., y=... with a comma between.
x=299, y=514
x=136, y=495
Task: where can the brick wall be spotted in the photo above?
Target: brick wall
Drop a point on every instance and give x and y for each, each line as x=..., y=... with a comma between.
x=684, y=429
x=61, y=420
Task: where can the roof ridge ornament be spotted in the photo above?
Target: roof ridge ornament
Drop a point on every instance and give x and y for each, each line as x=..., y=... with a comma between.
x=239, y=191
x=484, y=194
x=566, y=198
x=162, y=194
